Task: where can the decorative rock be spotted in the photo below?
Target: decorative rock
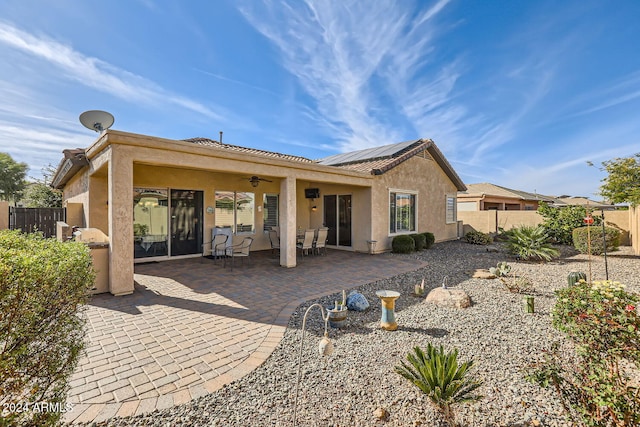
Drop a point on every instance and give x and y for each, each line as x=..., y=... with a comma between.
x=482, y=273
x=381, y=413
x=357, y=302
x=447, y=297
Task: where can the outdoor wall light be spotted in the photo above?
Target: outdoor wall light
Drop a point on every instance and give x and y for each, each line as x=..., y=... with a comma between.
x=314, y=208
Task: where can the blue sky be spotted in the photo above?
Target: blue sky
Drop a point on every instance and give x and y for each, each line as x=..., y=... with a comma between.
x=516, y=93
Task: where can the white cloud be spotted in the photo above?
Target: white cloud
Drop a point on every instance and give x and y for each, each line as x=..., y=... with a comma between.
x=346, y=55
x=95, y=73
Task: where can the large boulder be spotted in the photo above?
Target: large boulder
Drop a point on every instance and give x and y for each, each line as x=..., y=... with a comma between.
x=357, y=302
x=450, y=298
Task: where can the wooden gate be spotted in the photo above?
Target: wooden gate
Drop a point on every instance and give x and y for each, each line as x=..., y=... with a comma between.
x=31, y=220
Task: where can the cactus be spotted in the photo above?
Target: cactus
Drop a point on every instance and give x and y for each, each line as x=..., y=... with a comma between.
x=500, y=270
x=575, y=276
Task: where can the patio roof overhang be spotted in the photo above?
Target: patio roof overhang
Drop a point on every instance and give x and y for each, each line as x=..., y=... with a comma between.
x=143, y=149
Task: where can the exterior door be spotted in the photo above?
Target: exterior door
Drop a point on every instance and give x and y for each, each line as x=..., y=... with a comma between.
x=337, y=217
x=186, y=222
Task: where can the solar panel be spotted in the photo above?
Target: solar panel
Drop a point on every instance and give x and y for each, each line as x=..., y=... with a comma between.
x=368, y=153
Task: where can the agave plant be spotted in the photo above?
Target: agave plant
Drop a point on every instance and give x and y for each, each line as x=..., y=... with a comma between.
x=441, y=378
x=531, y=243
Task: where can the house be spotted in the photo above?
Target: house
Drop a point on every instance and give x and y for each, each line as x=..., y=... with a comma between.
x=486, y=197
x=159, y=199
x=581, y=201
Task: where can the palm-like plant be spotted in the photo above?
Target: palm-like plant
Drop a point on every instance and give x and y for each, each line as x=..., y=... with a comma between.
x=441, y=378
x=529, y=243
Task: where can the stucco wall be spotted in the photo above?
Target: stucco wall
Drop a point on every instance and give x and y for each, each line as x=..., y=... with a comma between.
x=490, y=221
x=77, y=191
x=634, y=228
x=4, y=215
x=360, y=210
x=432, y=186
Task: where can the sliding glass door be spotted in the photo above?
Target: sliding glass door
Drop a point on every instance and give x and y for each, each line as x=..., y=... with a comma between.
x=150, y=219
x=186, y=222
x=167, y=222
x=337, y=217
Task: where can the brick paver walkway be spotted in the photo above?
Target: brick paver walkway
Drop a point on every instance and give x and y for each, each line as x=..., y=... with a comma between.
x=192, y=326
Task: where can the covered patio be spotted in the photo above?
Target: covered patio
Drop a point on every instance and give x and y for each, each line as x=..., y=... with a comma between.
x=192, y=326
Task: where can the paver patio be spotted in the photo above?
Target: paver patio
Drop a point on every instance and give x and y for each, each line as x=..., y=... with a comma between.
x=192, y=326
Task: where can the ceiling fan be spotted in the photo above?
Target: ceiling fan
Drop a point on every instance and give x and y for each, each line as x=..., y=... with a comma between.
x=255, y=180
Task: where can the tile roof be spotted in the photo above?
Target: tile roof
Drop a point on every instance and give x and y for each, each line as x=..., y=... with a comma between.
x=215, y=144
x=497, y=190
x=582, y=201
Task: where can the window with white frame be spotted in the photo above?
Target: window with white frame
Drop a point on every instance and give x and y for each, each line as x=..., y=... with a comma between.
x=270, y=204
x=402, y=212
x=451, y=210
x=235, y=209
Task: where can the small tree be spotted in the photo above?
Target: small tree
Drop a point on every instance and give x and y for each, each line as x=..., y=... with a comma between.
x=40, y=194
x=623, y=182
x=12, y=175
x=559, y=222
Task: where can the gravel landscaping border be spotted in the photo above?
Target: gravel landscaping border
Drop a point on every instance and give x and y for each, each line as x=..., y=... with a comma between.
x=346, y=388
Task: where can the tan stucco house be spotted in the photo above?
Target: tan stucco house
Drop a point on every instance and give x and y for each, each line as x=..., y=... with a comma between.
x=486, y=197
x=159, y=199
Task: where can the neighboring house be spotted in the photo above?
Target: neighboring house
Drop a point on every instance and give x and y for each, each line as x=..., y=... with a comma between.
x=581, y=201
x=486, y=197
x=160, y=199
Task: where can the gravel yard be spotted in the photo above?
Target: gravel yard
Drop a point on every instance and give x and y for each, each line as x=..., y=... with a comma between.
x=346, y=388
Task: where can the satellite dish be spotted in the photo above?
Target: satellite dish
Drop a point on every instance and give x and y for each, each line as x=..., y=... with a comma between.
x=96, y=120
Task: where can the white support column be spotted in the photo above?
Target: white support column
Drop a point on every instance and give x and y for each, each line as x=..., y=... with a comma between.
x=120, y=222
x=288, y=222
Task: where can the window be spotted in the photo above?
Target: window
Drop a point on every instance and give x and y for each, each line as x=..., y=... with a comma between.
x=271, y=219
x=235, y=210
x=402, y=212
x=451, y=210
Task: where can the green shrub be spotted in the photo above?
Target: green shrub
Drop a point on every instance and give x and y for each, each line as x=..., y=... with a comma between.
x=420, y=241
x=581, y=239
x=140, y=230
x=43, y=284
x=478, y=238
x=439, y=376
x=602, y=321
x=403, y=244
x=531, y=243
x=503, y=235
x=560, y=222
x=430, y=239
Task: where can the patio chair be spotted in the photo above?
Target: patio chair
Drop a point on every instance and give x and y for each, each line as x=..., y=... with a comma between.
x=241, y=250
x=217, y=246
x=275, y=241
x=321, y=241
x=306, y=244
